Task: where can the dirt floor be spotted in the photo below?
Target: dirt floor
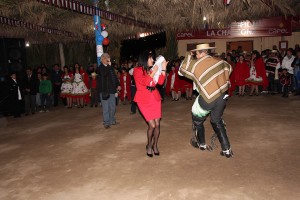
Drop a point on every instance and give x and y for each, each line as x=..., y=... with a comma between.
x=68, y=155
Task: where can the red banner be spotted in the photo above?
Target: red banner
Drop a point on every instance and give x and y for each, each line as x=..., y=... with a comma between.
x=263, y=28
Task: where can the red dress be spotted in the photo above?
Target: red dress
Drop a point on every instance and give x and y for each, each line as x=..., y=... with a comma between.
x=261, y=72
x=149, y=102
x=86, y=82
x=177, y=82
x=241, y=72
x=232, y=79
x=125, y=85
x=185, y=83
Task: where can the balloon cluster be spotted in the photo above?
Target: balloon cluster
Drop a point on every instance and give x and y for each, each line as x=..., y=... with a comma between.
x=104, y=34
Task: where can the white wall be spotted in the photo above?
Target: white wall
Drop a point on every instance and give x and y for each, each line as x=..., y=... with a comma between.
x=259, y=43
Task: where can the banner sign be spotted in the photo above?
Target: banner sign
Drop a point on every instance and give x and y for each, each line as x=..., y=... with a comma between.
x=263, y=28
x=19, y=23
x=79, y=7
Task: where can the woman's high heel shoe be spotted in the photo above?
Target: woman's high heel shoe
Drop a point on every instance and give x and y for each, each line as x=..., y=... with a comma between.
x=148, y=154
x=157, y=154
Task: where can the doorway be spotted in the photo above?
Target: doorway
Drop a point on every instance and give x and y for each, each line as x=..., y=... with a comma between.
x=240, y=46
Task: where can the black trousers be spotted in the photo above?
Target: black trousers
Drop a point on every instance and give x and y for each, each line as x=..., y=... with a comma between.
x=216, y=109
x=133, y=104
x=94, y=96
x=30, y=103
x=56, y=94
x=271, y=78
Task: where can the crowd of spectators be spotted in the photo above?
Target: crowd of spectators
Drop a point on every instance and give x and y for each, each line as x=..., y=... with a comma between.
x=270, y=71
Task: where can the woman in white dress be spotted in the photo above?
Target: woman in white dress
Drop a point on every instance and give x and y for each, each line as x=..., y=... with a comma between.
x=79, y=87
x=67, y=86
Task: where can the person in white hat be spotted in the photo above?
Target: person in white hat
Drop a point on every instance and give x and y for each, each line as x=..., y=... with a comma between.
x=211, y=78
x=272, y=66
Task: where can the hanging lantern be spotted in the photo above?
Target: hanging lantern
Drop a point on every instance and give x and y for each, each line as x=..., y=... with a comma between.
x=105, y=41
x=104, y=34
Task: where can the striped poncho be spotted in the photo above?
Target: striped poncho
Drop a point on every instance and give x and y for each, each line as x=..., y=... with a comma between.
x=208, y=73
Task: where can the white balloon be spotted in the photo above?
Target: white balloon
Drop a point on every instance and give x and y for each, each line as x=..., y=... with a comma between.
x=104, y=34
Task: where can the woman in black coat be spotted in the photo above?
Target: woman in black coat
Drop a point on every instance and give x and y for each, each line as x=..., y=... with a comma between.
x=14, y=96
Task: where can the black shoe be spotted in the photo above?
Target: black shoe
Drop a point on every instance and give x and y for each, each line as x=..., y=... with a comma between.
x=228, y=153
x=204, y=147
x=194, y=143
x=115, y=123
x=106, y=126
x=148, y=154
x=157, y=154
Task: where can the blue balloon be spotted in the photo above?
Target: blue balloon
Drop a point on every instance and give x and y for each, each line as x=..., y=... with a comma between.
x=100, y=38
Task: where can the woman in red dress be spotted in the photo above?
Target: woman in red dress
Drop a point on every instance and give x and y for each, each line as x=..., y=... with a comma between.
x=231, y=77
x=173, y=84
x=241, y=72
x=148, y=98
x=125, y=83
x=187, y=87
x=258, y=75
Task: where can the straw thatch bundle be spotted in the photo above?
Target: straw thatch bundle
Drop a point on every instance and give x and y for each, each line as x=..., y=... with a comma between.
x=167, y=14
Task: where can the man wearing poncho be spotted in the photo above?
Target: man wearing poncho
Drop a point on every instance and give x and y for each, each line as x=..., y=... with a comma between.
x=211, y=79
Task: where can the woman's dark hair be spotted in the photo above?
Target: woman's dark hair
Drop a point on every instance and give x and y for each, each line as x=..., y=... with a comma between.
x=257, y=54
x=124, y=69
x=242, y=56
x=143, y=59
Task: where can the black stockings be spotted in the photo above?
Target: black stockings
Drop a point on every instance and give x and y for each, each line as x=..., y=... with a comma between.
x=153, y=135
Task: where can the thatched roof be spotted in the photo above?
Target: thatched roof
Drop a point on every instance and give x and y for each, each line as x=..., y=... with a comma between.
x=166, y=14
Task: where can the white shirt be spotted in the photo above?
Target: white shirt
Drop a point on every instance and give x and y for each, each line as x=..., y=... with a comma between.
x=19, y=93
x=287, y=64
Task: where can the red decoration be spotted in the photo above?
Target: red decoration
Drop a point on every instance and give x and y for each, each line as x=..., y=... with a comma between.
x=103, y=27
x=105, y=41
x=226, y=2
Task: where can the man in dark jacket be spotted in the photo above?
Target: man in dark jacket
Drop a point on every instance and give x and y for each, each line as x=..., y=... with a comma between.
x=30, y=90
x=108, y=85
x=56, y=83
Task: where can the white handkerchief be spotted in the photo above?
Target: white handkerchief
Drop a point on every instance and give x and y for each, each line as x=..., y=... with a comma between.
x=159, y=60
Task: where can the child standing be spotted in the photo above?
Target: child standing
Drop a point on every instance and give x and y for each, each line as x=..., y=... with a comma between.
x=45, y=90
x=285, y=81
x=94, y=90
